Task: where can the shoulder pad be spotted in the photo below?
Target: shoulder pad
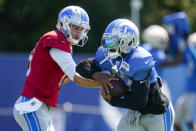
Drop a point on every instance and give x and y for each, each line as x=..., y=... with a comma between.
x=55, y=39
x=100, y=55
x=141, y=60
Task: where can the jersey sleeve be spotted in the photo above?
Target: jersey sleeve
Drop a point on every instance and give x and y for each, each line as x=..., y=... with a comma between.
x=159, y=56
x=142, y=62
x=53, y=42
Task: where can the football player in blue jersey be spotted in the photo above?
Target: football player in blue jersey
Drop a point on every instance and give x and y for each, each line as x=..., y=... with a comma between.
x=156, y=38
x=120, y=54
x=186, y=104
x=178, y=27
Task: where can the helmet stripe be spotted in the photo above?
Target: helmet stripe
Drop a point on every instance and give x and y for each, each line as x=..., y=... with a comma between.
x=111, y=26
x=67, y=12
x=84, y=17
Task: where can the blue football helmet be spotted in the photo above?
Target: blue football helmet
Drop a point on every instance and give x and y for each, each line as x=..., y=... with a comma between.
x=73, y=15
x=120, y=36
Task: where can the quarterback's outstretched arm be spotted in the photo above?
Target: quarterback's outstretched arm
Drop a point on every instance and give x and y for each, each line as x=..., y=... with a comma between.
x=67, y=64
x=88, y=69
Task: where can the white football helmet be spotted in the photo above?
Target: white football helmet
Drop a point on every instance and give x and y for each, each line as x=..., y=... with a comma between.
x=157, y=36
x=73, y=15
x=192, y=39
x=120, y=36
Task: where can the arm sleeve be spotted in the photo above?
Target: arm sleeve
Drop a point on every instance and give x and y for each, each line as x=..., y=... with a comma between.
x=65, y=61
x=135, y=99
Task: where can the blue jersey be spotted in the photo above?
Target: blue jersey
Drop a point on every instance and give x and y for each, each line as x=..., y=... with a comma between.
x=191, y=69
x=134, y=66
x=158, y=55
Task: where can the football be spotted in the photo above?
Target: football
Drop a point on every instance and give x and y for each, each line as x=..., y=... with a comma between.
x=119, y=88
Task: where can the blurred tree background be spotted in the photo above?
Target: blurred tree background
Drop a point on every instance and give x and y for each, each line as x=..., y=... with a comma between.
x=23, y=22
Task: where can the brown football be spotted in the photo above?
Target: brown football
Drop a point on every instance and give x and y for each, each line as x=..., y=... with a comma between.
x=119, y=88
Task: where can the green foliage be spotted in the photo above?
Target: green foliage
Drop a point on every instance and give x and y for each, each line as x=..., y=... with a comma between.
x=23, y=22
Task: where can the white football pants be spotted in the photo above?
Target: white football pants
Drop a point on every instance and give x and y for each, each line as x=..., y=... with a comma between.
x=185, y=108
x=34, y=121
x=134, y=121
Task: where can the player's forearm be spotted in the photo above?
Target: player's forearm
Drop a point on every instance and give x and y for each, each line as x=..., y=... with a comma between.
x=81, y=81
x=135, y=99
x=131, y=101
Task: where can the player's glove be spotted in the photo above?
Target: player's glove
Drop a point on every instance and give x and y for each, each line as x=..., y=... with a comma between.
x=86, y=68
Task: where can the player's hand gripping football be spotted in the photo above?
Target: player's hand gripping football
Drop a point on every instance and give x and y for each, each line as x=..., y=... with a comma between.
x=104, y=79
x=106, y=96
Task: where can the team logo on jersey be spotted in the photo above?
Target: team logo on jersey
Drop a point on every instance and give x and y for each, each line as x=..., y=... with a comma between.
x=33, y=103
x=146, y=62
x=117, y=63
x=126, y=66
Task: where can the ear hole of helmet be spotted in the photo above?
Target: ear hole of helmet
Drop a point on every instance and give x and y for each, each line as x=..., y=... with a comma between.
x=132, y=41
x=61, y=24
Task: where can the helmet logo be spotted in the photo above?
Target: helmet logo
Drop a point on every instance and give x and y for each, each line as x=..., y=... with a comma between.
x=128, y=30
x=68, y=12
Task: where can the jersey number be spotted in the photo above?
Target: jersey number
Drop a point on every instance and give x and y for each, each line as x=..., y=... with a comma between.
x=29, y=65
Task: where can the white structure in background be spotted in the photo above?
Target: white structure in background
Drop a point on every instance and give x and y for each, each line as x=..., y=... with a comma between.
x=58, y=116
x=135, y=6
x=110, y=114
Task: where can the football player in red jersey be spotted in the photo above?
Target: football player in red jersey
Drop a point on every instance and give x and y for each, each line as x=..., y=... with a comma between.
x=50, y=64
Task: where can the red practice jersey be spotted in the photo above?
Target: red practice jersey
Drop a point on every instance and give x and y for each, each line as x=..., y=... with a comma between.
x=44, y=76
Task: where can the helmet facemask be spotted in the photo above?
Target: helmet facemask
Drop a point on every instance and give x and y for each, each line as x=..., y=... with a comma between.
x=111, y=43
x=81, y=36
x=121, y=43
x=126, y=44
x=67, y=31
